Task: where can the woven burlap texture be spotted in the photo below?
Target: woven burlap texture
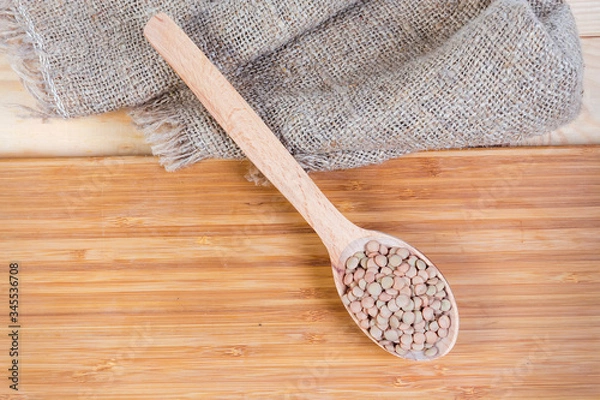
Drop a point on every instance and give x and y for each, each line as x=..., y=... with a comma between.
x=342, y=83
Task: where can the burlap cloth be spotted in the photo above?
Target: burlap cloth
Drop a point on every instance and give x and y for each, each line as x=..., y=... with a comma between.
x=342, y=83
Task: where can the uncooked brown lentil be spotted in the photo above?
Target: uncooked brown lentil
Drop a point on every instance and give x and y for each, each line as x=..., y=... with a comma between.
x=394, y=260
x=385, y=312
x=431, y=337
x=408, y=317
x=446, y=305
x=381, y=260
x=387, y=282
x=374, y=288
x=419, y=338
x=391, y=335
x=385, y=297
x=372, y=246
x=444, y=322
x=417, y=303
x=352, y=263
x=398, y=298
x=375, y=332
x=431, y=352
x=427, y=313
x=367, y=302
x=362, y=284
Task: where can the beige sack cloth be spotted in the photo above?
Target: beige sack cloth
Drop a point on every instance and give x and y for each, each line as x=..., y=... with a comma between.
x=342, y=83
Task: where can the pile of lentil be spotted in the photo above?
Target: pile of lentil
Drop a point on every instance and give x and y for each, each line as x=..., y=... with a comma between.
x=397, y=298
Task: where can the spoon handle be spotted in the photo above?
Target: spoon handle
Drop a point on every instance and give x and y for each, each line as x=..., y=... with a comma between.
x=250, y=133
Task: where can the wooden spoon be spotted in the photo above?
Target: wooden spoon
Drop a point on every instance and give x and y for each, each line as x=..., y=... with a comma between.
x=341, y=237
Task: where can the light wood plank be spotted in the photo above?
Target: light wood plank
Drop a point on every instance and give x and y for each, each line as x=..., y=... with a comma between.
x=22, y=134
x=142, y=284
x=587, y=16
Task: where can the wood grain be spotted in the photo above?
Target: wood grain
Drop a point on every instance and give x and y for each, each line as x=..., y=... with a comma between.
x=23, y=134
x=587, y=16
x=141, y=284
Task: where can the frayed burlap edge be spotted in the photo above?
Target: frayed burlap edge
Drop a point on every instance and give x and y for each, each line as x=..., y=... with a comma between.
x=167, y=139
x=173, y=147
x=26, y=56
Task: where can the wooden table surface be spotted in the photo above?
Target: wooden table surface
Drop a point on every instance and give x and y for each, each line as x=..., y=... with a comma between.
x=136, y=283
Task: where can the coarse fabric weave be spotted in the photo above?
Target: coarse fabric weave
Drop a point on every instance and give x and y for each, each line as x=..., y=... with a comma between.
x=342, y=83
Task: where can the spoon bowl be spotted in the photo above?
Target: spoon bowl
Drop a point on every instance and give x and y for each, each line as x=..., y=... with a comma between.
x=444, y=345
x=342, y=238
